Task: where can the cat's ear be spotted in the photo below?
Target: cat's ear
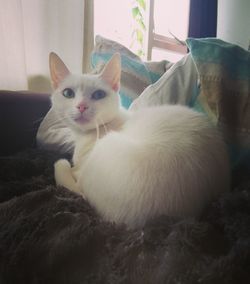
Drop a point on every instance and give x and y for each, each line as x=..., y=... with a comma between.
x=111, y=73
x=58, y=70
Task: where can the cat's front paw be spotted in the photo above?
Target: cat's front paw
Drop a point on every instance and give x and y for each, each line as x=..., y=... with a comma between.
x=64, y=176
x=61, y=167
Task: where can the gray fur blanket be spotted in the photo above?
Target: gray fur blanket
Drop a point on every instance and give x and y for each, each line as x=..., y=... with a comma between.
x=51, y=235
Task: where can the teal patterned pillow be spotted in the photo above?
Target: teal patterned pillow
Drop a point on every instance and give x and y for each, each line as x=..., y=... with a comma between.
x=224, y=75
x=136, y=74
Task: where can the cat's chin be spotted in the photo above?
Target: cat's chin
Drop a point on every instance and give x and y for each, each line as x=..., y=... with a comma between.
x=81, y=124
x=81, y=120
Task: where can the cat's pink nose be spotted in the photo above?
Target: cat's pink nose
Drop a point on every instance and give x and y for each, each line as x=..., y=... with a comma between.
x=82, y=107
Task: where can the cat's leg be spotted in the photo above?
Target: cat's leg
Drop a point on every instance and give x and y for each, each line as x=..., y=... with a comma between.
x=63, y=175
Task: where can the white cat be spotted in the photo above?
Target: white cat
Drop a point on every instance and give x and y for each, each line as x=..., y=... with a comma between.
x=134, y=166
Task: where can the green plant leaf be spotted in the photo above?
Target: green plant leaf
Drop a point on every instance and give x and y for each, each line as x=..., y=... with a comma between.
x=135, y=12
x=139, y=36
x=141, y=23
x=140, y=52
x=142, y=4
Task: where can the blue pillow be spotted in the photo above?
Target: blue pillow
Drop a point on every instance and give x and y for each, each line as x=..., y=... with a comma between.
x=224, y=75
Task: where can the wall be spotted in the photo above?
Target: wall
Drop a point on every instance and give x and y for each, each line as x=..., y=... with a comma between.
x=234, y=21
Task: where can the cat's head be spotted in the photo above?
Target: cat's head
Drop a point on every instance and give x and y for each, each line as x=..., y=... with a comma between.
x=84, y=101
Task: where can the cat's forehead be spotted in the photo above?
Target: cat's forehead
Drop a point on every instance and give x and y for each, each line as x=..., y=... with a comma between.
x=82, y=82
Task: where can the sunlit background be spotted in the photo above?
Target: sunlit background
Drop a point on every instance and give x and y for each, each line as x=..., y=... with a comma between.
x=113, y=19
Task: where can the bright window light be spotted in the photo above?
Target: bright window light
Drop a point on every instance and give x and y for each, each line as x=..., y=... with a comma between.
x=113, y=19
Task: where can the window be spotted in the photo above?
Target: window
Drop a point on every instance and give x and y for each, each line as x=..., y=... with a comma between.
x=113, y=20
x=164, y=21
x=170, y=24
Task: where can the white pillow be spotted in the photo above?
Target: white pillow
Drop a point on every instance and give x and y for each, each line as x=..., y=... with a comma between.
x=54, y=135
x=178, y=85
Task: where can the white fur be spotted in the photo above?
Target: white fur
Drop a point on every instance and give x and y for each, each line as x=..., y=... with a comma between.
x=160, y=160
x=63, y=175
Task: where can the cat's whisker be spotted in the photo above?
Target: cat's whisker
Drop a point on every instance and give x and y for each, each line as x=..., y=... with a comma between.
x=33, y=126
x=59, y=120
x=97, y=130
x=38, y=120
x=104, y=126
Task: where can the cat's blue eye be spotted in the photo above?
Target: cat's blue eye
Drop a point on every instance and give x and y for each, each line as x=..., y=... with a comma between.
x=99, y=94
x=68, y=93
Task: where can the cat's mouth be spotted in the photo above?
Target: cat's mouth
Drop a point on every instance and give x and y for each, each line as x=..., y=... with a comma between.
x=81, y=119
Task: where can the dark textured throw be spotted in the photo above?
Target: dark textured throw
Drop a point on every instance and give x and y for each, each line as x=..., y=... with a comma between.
x=51, y=235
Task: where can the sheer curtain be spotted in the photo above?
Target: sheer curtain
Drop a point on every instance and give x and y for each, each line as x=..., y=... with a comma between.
x=31, y=29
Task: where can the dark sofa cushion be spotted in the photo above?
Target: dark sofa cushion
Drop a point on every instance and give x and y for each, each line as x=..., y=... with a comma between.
x=20, y=116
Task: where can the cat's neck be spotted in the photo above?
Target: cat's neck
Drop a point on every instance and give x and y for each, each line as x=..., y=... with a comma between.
x=114, y=125
x=117, y=123
x=85, y=141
